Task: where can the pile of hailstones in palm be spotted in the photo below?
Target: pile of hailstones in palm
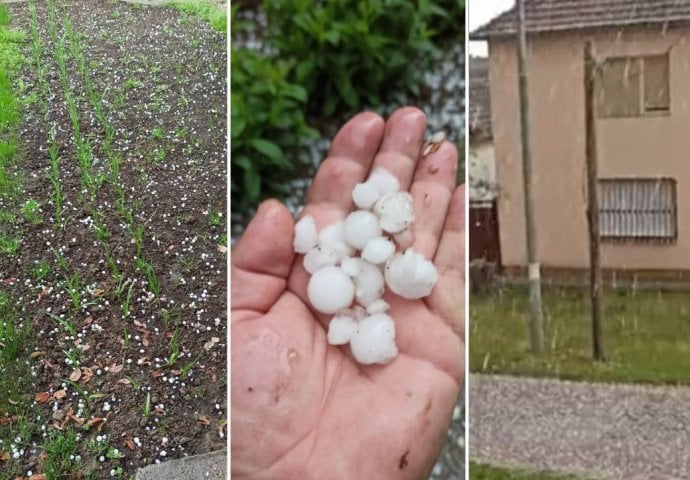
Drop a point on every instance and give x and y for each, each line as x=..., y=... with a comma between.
x=351, y=263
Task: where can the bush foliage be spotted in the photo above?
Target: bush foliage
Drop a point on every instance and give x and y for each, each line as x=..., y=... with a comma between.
x=327, y=59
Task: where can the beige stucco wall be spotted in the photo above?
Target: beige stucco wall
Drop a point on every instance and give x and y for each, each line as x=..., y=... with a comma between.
x=627, y=147
x=481, y=169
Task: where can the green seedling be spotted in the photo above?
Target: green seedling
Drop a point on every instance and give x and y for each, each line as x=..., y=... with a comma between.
x=31, y=211
x=146, y=409
x=41, y=270
x=9, y=245
x=65, y=323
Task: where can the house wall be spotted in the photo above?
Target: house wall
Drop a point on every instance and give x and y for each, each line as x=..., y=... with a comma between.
x=627, y=147
x=482, y=171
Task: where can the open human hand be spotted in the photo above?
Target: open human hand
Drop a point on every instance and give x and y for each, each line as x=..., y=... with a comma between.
x=304, y=409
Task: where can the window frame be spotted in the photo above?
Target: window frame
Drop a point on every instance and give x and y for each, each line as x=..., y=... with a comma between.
x=640, y=239
x=642, y=109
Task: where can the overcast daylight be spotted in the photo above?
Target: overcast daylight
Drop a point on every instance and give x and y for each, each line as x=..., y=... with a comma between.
x=480, y=12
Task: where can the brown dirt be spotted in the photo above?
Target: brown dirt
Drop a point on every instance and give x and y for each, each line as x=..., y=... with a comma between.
x=157, y=69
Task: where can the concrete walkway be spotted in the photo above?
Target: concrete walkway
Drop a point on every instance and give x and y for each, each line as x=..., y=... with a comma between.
x=616, y=432
x=211, y=466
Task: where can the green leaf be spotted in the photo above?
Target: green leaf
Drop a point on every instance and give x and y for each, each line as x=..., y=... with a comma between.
x=242, y=161
x=252, y=185
x=269, y=149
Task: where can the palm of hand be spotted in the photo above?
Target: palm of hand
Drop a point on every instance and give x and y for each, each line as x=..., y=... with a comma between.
x=304, y=409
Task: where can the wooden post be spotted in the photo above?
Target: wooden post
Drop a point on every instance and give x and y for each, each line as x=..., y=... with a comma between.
x=536, y=326
x=595, y=283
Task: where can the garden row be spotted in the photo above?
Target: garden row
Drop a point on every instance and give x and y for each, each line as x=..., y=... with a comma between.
x=113, y=255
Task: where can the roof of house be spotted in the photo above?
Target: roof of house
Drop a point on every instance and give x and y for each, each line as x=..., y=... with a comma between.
x=559, y=15
x=479, y=111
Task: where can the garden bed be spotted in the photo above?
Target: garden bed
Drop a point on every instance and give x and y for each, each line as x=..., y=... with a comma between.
x=117, y=284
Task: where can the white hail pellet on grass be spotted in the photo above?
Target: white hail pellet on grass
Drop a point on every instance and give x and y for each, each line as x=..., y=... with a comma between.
x=339, y=278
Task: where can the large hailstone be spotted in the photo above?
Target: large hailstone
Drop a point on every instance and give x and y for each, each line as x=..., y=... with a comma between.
x=373, y=341
x=330, y=289
x=395, y=211
x=360, y=227
x=410, y=275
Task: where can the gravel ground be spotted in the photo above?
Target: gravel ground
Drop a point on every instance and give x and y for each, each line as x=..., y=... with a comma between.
x=621, y=432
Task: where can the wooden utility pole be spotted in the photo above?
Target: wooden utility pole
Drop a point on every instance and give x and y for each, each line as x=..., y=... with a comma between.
x=537, y=320
x=595, y=284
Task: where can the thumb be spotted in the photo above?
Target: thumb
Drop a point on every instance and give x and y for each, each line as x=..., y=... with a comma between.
x=262, y=259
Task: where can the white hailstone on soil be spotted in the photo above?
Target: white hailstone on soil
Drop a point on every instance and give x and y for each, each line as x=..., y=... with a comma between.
x=305, y=234
x=360, y=227
x=334, y=236
x=330, y=289
x=374, y=340
x=340, y=329
x=395, y=211
x=378, y=250
x=369, y=283
x=319, y=257
x=410, y=275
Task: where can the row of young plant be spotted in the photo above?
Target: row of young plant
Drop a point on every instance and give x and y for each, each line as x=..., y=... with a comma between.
x=61, y=447
x=19, y=415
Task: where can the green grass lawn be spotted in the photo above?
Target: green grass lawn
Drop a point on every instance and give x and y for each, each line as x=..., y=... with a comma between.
x=646, y=336
x=485, y=472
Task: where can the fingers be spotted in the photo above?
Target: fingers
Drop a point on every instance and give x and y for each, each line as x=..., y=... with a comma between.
x=432, y=188
x=447, y=299
x=402, y=144
x=451, y=249
x=348, y=162
x=262, y=259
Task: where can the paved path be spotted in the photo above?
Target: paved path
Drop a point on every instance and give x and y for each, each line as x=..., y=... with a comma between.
x=211, y=466
x=616, y=432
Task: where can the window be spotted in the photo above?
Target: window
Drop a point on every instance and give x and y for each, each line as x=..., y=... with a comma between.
x=633, y=86
x=638, y=209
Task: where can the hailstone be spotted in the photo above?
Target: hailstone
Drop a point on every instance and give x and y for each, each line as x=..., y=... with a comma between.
x=305, y=234
x=374, y=340
x=410, y=275
x=395, y=211
x=378, y=250
x=330, y=289
x=360, y=227
x=340, y=329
